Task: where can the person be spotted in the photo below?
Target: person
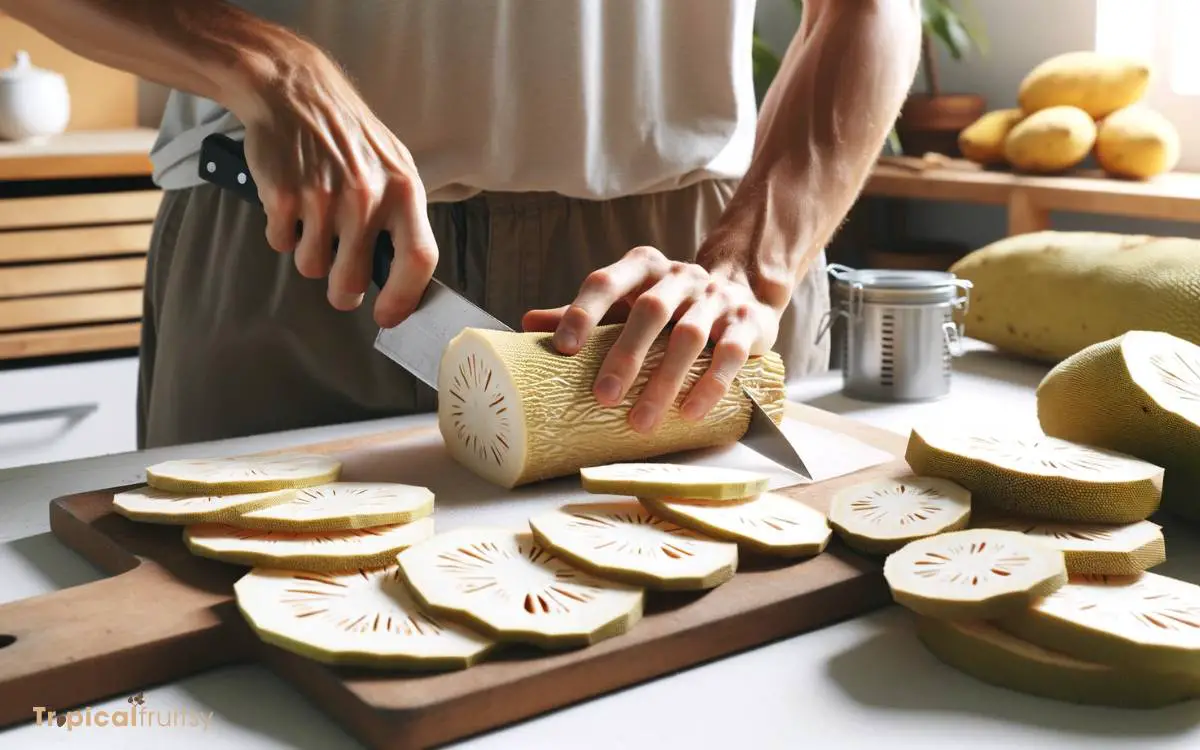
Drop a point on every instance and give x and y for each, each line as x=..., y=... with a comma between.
x=562, y=163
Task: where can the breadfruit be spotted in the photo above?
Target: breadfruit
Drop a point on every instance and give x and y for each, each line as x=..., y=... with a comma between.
x=512, y=410
x=1096, y=549
x=1050, y=140
x=622, y=541
x=974, y=574
x=882, y=516
x=1137, y=143
x=1046, y=295
x=679, y=481
x=988, y=654
x=771, y=524
x=1037, y=476
x=510, y=588
x=148, y=505
x=983, y=140
x=1137, y=393
x=1146, y=621
x=1096, y=83
x=339, y=506
x=243, y=474
x=362, y=618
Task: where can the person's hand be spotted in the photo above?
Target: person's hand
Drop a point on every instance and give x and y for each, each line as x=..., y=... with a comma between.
x=649, y=291
x=321, y=157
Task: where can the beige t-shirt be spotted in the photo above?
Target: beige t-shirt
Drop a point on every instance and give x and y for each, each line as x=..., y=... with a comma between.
x=586, y=98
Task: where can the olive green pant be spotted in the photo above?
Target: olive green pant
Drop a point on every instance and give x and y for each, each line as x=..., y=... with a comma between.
x=236, y=342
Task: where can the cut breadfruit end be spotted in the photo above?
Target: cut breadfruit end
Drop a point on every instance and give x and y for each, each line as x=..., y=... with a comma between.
x=242, y=474
x=623, y=541
x=513, y=410
x=1038, y=476
x=320, y=551
x=508, y=586
x=973, y=574
x=770, y=524
x=881, y=516
x=339, y=506
x=983, y=651
x=148, y=505
x=363, y=618
x=1144, y=621
x=1138, y=393
x=1097, y=549
x=673, y=481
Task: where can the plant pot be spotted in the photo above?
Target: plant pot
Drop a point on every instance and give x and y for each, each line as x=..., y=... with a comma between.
x=932, y=123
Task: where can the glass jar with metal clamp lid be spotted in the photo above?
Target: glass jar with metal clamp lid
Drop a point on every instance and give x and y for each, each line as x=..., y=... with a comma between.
x=898, y=335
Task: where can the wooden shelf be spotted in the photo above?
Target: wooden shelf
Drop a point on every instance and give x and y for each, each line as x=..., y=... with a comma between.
x=79, y=155
x=1030, y=199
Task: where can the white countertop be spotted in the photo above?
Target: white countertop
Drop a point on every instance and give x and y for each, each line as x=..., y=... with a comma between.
x=864, y=683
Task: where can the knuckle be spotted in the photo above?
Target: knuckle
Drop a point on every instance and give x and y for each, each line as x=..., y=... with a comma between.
x=734, y=352
x=599, y=280
x=652, y=307
x=424, y=257
x=689, y=335
x=646, y=252
x=623, y=363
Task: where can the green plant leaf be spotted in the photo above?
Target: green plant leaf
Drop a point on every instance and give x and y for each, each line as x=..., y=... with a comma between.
x=765, y=64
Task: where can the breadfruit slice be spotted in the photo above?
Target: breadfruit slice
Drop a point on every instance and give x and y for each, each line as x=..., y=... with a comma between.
x=148, y=505
x=988, y=654
x=973, y=574
x=320, y=551
x=1098, y=549
x=364, y=618
x=1145, y=621
x=1038, y=476
x=676, y=481
x=509, y=587
x=1138, y=393
x=241, y=474
x=881, y=516
x=623, y=541
x=512, y=410
x=338, y=506
x=771, y=523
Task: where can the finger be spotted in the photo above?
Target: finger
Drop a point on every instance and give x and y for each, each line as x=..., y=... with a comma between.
x=315, y=248
x=415, y=253
x=650, y=314
x=602, y=289
x=547, y=321
x=357, y=228
x=283, y=212
x=687, y=341
x=729, y=355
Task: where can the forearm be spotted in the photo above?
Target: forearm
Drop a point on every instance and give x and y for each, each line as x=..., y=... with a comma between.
x=838, y=92
x=206, y=47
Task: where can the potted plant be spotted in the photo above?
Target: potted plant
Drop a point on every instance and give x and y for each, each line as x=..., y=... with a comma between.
x=932, y=120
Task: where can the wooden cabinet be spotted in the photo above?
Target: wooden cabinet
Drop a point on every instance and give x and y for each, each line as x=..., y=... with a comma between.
x=76, y=215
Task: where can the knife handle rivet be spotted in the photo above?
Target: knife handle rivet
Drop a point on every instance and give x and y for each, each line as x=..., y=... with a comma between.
x=241, y=178
x=211, y=167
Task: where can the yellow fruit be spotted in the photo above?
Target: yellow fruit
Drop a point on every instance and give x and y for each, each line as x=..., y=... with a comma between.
x=1046, y=295
x=1050, y=140
x=1096, y=83
x=983, y=140
x=1138, y=143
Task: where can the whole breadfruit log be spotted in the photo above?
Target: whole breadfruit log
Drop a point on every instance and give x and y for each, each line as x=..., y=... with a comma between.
x=513, y=410
x=1046, y=295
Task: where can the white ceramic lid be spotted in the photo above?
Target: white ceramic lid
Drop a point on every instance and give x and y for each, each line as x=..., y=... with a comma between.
x=23, y=69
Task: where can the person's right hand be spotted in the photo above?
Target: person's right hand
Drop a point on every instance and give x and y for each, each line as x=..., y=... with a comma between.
x=321, y=157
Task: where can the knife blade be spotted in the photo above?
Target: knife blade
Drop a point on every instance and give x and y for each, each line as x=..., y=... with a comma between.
x=417, y=343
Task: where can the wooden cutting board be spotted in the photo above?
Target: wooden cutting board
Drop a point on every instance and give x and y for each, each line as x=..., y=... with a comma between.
x=166, y=614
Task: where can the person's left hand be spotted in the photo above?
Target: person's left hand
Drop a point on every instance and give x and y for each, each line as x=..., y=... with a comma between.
x=649, y=291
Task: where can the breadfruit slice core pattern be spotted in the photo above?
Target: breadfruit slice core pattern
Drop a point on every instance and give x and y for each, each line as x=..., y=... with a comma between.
x=1146, y=621
x=320, y=551
x=622, y=540
x=678, y=481
x=1039, y=476
x=149, y=505
x=771, y=523
x=339, y=506
x=881, y=516
x=1097, y=549
x=1168, y=369
x=364, y=618
x=973, y=574
x=511, y=588
x=241, y=474
x=983, y=651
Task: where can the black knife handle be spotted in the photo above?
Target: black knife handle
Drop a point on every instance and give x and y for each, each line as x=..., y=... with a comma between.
x=223, y=163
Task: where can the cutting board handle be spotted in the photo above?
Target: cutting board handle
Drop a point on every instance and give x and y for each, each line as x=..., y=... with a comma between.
x=101, y=639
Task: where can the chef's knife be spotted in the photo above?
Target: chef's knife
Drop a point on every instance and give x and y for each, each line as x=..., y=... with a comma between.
x=418, y=342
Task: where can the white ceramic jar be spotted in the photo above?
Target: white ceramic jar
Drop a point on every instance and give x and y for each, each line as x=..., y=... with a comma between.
x=34, y=103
